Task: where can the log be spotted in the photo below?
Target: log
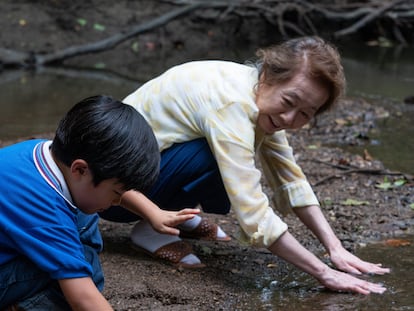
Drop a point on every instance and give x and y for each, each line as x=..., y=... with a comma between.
x=304, y=18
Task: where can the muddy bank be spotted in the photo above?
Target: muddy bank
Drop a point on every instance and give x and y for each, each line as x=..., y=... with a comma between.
x=356, y=207
x=359, y=211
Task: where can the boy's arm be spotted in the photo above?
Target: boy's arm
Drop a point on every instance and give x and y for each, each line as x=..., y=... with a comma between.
x=82, y=295
x=162, y=221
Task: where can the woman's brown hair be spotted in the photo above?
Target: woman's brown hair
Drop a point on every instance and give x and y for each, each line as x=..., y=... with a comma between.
x=311, y=56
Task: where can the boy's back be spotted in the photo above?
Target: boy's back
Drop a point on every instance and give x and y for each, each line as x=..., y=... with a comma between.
x=50, y=193
x=37, y=221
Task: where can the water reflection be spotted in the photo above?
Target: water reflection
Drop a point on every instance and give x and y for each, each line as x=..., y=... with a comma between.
x=392, y=142
x=385, y=73
x=376, y=72
x=300, y=292
x=33, y=103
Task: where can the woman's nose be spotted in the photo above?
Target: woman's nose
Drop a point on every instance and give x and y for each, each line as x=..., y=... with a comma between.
x=288, y=118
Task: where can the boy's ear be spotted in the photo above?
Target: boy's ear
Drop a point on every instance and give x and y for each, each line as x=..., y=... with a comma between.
x=79, y=168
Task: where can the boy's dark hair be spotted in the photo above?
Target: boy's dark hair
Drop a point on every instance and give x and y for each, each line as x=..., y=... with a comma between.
x=113, y=138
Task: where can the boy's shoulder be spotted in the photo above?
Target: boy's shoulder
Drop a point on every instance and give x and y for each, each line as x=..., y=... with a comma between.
x=20, y=146
x=21, y=152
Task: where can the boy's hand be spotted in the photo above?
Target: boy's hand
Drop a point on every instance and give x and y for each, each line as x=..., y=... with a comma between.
x=166, y=221
x=162, y=221
x=82, y=294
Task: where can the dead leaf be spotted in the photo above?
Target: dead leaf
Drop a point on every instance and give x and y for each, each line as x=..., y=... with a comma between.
x=367, y=156
x=397, y=242
x=343, y=161
x=272, y=265
x=341, y=121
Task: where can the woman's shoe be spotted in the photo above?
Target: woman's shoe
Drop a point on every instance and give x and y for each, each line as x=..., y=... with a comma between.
x=205, y=231
x=167, y=247
x=174, y=253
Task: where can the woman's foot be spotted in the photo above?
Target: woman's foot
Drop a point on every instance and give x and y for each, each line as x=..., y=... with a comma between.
x=201, y=229
x=163, y=246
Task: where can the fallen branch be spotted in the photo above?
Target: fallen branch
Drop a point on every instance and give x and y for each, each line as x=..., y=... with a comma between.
x=113, y=41
x=350, y=170
x=13, y=58
x=367, y=19
x=297, y=17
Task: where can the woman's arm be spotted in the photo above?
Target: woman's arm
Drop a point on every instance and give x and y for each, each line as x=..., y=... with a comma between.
x=82, y=295
x=162, y=221
x=314, y=219
x=288, y=248
x=293, y=190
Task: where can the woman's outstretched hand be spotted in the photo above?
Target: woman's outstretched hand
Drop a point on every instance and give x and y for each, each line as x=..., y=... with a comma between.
x=344, y=282
x=288, y=248
x=347, y=262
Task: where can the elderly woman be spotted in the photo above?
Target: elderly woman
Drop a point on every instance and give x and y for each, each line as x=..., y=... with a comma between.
x=211, y=119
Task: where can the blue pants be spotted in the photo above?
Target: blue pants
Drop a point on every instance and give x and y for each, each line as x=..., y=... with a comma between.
x=23, y=282
x=189, y=175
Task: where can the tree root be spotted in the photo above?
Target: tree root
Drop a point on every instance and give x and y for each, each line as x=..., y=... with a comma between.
x=291, y=18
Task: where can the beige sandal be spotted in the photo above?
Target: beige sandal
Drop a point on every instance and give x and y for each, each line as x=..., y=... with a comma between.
x=173, y=253
x=204, y=231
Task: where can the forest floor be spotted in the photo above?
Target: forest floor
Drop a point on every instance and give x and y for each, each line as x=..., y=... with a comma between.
x=358, y=208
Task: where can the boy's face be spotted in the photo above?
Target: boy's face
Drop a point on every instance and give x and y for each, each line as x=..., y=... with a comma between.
x=91, y=199
x=88, y=197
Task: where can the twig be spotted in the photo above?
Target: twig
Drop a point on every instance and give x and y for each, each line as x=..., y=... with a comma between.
x=368, y=18
x=15, y=58
x=307, y=14
x=349, y=170
x=113, y=41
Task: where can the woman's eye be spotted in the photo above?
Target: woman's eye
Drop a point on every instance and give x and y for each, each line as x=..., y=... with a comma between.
x=305, y=115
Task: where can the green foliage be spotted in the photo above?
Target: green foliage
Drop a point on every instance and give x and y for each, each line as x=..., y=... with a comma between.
x=353, y=202
x=387, y=185
x=99, y=66
x=135, y=47
x=82, y=21
x=327, y=201
x=99, y=27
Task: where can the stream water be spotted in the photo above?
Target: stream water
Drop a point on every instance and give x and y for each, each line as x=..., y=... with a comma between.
x=33, y=103
x=299, y=292
x=383, y=75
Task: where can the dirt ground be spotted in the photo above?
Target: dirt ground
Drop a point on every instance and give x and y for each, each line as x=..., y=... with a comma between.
x=359, y=211
x=136, y=282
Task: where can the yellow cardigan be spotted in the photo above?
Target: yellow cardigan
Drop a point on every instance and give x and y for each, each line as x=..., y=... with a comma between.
x=216, y=100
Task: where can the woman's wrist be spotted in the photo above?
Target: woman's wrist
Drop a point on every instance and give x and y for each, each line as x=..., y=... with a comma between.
x=333, y=245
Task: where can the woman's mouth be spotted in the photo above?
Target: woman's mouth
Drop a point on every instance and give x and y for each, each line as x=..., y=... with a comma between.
x=274, y=124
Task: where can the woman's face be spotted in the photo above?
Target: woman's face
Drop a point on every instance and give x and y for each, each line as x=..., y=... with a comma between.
x=289, y=105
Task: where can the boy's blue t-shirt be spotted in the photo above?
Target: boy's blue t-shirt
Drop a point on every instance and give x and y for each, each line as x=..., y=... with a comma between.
x=36, y=221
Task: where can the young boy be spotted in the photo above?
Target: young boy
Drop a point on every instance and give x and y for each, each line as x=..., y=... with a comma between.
x=50, y=193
